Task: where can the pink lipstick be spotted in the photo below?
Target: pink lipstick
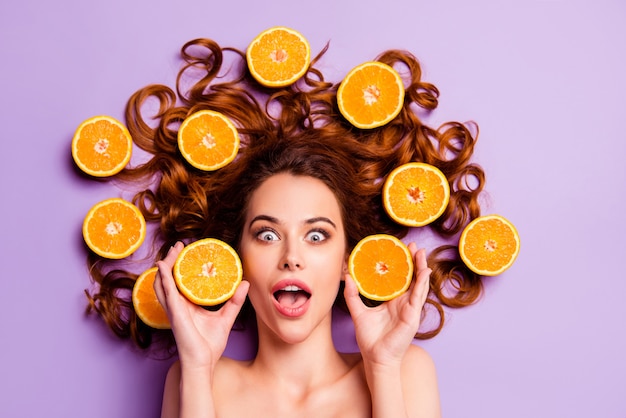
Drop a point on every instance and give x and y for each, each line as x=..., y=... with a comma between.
x=291, y=297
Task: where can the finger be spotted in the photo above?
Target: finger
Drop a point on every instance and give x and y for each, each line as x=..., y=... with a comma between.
x=167, y=264
x=420, y=264
x=160, y=284
x=172, y=254
x=231, y=309
x=423, y=271
x=420, y=259
x=351, y=295
x=240, y=294
x=419, y=293
x=158, y=290
x=165, y=286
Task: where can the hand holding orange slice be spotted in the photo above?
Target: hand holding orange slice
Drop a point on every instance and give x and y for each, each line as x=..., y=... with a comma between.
x=381, y=266
x=101, y=146
x=207, y=272
x=489, y=245
x=278, y=56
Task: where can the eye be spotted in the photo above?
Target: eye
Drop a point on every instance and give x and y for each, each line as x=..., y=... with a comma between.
x=317, y=236
x=267, y=235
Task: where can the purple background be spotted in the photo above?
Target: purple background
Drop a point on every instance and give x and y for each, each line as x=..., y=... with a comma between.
x=544, y=80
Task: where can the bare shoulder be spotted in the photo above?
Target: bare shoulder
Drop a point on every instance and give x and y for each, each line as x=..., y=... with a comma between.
x=416, y=358
x=418, y=367
x=419, y=382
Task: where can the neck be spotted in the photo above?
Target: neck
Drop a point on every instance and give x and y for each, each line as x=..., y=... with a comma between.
x=300, y=364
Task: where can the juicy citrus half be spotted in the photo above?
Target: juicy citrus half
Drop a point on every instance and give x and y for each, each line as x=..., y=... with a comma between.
x=489, y=245
x=278, y=56
x=147, y=306
x=114, y=228
x=371, y=95
x=208, y=271
x=208, y=140
x=382, y=267
x=101, y=146
x=415, y=194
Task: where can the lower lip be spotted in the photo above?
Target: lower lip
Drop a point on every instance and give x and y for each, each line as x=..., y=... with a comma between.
x=292, y=312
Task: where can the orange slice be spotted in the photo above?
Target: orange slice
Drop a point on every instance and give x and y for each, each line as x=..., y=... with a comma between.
x=382, y=267
x=371, y=95
x=114, y=228
x=278, y=56
x=489, y=245
x=208, y=271
x=147, y=306
x=415, y=194
x=101, y=146
x=208, y=140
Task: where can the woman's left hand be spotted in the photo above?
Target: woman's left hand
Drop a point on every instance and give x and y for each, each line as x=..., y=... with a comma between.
x=385, y=332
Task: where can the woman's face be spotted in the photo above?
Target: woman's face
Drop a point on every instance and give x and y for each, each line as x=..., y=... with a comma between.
x=293, y=249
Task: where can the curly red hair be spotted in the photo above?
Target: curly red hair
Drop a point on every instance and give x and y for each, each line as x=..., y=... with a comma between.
x=295, y=129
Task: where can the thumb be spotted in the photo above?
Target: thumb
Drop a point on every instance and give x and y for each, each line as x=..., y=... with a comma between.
x=351, y=295
x=232, y=307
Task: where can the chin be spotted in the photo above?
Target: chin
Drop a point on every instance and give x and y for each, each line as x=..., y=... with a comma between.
x=294, y=334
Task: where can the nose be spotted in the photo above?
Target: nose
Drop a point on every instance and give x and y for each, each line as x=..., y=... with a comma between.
x=292, y=259
x=291, y=265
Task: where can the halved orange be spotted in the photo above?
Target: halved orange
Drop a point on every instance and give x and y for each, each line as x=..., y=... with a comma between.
x=114, y=228
x=208, y=271
x=147, y=306
x=382, y=267
x=101, y=146
x=415, y=194
x=371, y=95
x=278, y=56
x=208, y=140
x=489, y=245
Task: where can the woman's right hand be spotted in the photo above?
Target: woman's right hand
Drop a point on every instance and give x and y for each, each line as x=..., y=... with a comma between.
x=201, y=335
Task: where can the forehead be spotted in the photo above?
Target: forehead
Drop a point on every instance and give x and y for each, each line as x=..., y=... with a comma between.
x=294, y=197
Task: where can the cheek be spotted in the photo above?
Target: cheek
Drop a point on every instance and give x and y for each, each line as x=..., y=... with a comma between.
x=254, y=297
x=252, y=272
x=256, y=268
x=251, y=260
x=332, y=266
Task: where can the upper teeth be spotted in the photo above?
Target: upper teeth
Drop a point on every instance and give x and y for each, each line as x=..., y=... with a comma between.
x=291, y=288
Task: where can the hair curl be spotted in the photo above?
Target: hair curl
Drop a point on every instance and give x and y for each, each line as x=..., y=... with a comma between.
x=295, y=129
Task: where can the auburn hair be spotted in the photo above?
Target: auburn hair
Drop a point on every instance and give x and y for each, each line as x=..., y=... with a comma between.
x=295, y=129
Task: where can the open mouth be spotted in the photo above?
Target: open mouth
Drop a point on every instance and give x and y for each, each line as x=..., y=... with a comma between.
x=291, y=296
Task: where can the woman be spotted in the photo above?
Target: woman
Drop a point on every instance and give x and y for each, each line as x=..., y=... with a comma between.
x=294, y=236
x=304, y=189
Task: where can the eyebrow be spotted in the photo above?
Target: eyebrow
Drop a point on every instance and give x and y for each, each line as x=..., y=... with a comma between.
x=320, y=219
x=309, y=221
